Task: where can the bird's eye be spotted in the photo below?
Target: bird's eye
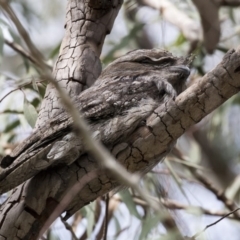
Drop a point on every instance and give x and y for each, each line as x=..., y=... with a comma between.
x=164, y=61
x=146, y=60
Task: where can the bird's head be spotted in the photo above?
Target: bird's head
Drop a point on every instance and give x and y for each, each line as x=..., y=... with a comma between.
x=155, y=62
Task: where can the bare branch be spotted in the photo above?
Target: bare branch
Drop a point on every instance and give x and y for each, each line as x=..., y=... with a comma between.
x=69, y=228
x=16, y=47
x=219, y=193
x=36, y=55
x=106, y=220
x=233, y=3
x=214, y=223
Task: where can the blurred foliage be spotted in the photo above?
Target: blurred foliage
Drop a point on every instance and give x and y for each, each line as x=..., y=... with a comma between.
x=210, y=146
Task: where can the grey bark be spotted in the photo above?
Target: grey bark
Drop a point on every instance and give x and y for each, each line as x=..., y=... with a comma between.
x=77, y=67
x=30, y=205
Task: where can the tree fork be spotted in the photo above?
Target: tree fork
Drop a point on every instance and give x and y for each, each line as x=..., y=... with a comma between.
x=30, y=205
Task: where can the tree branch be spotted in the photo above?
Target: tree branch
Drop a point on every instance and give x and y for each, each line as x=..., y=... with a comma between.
x=16, y=47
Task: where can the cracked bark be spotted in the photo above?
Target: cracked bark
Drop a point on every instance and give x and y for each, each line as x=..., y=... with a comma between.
x=30, y=205
x=77, y=67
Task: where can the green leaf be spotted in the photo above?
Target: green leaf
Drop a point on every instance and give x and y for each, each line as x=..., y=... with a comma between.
x=147, y=225
x=35, y=102
x=117, y=224
x=26, y=64
x=231, y=15
x=11, y=126
x=1, y=41
x=52, y=236
x=83, y=211
x=176, y=178
x=55, y=51
x=30, y=112
x=90, y=217
x=127, y=199
x=179, y=41
x=34, y=84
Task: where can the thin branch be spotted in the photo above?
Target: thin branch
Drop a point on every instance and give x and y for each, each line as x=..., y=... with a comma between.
x=180, y=175
x=113, y=205
x=19, y=88
x=219, y=193
x=106, y=217
x=69, y=228
x=67, y=199
x=175, y=205
x=208, y=184
x=214, y=223
x=34, y=52
x=16, y=47
x=232, y=3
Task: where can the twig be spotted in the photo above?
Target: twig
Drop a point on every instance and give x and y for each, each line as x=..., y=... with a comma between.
x=19, y=88
x=69, y=228
x=219, y=193
x=9, y=94
x=171, y=204
x=34, y=53
x=106, y=217
x=67, y=199
x=214, y=223
x=232, y=3
x=180, y=175
x=113, y=204
x=16, y=47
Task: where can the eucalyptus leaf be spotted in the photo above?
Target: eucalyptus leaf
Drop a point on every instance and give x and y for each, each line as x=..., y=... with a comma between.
x=117, y=224
x=180, y=40
x=147, y=225
x=127, y=199
x=55, y=51
x=52, y=236
x=30, y=112
x=90, y=218
x=1, y=41
x=11, y=126
x=176, y=178
x=34, y=84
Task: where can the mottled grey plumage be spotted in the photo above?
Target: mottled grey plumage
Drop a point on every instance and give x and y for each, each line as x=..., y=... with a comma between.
x=121, y=99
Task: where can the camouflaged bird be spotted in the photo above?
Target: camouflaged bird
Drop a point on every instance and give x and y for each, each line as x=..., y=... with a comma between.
x=122, y=98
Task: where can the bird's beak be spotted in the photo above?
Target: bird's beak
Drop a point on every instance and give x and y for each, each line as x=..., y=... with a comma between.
x=181, y=69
